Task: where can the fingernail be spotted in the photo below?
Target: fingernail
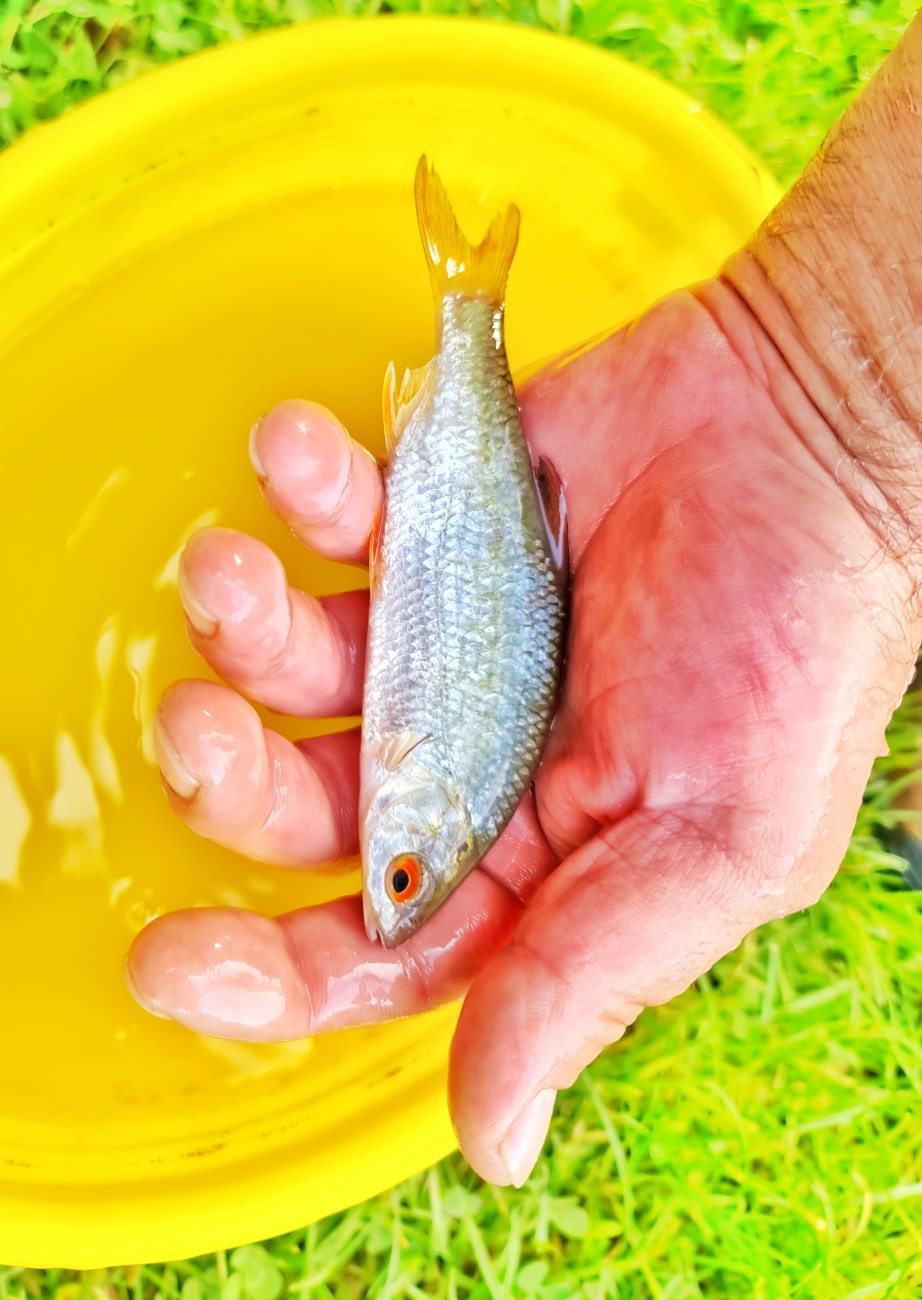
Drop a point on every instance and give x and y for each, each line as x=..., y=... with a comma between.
x=204, y=622
x=520, y=1148
x=254, y=458
x=219, y=972
x=181, y=781
x=138, y=996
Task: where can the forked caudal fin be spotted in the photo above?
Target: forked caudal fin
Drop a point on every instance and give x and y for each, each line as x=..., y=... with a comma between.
x=456, y=265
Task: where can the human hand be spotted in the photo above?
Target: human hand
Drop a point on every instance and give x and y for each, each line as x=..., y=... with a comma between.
x=742, y=471
x=737, y=642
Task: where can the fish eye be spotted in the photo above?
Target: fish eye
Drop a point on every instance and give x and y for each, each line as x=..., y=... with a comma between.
x=403, y=878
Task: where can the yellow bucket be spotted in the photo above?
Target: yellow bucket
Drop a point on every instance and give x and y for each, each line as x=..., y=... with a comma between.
x=175, y=257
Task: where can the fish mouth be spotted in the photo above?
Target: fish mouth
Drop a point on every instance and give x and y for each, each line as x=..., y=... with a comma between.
x=398, y=935
x=386, y=936
x=386, y=939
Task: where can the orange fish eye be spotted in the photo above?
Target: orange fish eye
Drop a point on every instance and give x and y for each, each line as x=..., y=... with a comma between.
x=403, y=878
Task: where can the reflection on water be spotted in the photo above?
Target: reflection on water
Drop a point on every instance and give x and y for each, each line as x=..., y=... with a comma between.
x=169, y=574
x=252, y=1060
x=90, y=851
x=74, y=809
x=15, y=820
x=94, y=507
x=139, y=656
x=102, y=757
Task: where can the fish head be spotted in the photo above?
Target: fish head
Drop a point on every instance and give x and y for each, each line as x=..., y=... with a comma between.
x=417, y=843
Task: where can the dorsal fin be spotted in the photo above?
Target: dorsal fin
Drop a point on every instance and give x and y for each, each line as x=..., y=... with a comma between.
x=456, y=265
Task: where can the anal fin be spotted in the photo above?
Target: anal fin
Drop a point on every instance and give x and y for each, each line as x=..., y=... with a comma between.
x=399, y=406
x=389, y=409
x=374, y=548
x=413, y=383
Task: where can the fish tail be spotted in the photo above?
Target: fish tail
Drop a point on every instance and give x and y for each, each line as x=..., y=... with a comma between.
x=456, y=265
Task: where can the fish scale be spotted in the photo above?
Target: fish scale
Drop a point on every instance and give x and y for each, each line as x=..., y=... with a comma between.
x=467, y=610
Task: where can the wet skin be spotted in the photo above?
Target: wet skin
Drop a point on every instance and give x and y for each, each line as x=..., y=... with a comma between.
x=744, y=619
x=719, y=641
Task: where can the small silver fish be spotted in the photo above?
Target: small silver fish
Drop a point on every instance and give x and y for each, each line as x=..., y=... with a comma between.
x=468, y=591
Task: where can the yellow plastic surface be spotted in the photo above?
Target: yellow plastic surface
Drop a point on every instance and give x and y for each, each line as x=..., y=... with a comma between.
x=175, y=257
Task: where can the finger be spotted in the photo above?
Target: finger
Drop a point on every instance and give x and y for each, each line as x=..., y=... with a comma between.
x=236, y=974
x=280, y=646
x=325, y=486
x=627, y=921
x=521, y=858
x=315, y=969
x=236, y=782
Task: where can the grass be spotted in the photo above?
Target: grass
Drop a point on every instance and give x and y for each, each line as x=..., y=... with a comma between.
x=756, y=1137
x=778, y=72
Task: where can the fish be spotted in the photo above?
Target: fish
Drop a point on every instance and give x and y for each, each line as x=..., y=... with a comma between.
x=468, y=576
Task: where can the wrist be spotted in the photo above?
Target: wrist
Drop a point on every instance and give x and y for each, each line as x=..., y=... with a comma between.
x=834, y=278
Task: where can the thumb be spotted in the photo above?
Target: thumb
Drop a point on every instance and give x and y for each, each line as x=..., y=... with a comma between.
x=627, y=921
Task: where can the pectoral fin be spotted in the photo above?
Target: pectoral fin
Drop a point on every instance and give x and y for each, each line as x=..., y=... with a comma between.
x=553, y=506
x=397, y=748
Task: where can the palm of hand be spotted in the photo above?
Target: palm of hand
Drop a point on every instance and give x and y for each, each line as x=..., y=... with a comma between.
x=706, y=762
